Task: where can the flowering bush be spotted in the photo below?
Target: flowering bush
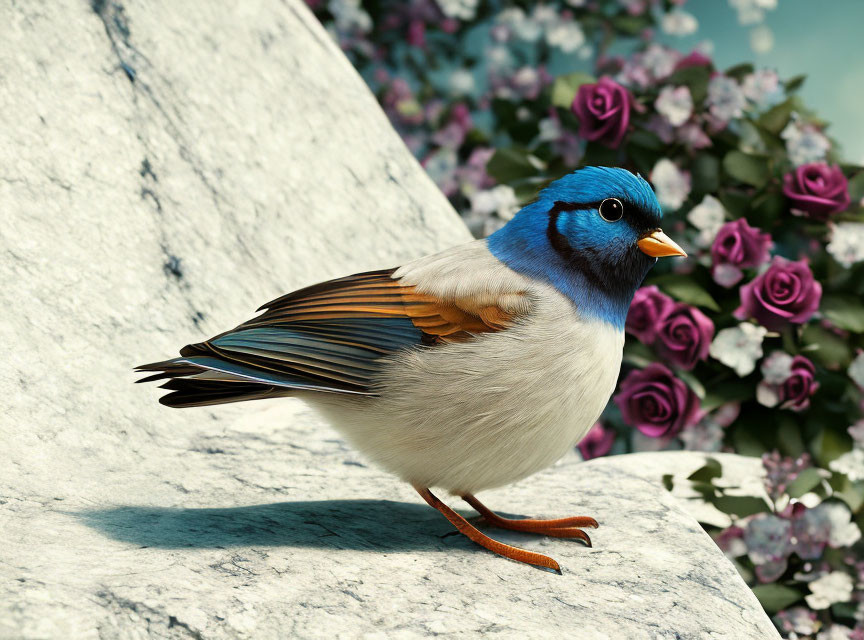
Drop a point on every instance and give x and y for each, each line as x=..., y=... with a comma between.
x=753, y=344
x=798, y=543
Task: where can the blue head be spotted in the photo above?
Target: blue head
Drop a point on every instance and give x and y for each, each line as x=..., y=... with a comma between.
x=592, y=234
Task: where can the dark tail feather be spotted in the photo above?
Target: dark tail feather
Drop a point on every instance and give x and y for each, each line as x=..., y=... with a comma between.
x=200, y=393
x=196, y=391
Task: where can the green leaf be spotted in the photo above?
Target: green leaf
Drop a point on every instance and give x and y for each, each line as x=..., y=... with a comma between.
x=684, y=288
x=747, y=168
x=667, y=481
x=694, y=78
x=638, y=354
x=741, y=506
x=846, y=312
x=793, y=84
x=739, y=71
x=766, y=209
x=646, y=139
x=706, y=173
x=693, y=382
x=735, y=202
x=509, y=165
x=565, y=87
x=856, y=187
x=775, y=597
x=707, y=473
x=630, y=24
x=777, y=117
x=829, y=445
x=735, y=390
x=806, y=480
x=789, y=440
x=747, y=444
x=828, y=348
x=852, y=493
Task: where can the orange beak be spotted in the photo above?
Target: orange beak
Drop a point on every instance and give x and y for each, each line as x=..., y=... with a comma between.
x=658, y=245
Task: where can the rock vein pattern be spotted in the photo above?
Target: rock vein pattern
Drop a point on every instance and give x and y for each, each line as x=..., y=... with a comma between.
x=165, y=168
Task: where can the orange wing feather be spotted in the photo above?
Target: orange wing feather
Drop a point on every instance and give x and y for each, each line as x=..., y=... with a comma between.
x=377, y=294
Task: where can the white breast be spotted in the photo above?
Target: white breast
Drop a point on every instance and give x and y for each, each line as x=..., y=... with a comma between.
x=475, y=415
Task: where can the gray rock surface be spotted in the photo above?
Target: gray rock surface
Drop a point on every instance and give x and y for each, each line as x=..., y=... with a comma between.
x=164, y=169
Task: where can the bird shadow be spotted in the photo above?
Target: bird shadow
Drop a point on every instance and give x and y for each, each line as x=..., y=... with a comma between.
x=373, y=525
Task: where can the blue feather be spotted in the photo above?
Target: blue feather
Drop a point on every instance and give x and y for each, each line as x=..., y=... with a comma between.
x=599, y=266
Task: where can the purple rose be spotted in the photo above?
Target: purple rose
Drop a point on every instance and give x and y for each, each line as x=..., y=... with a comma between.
x=736, y=246
x=597, y=442
x=817, y=189
x=603, y=110
x=785, y=293
x=788, y=382
x=648, y=308
x=795, y=392
x=656, y=402
x=685, y=336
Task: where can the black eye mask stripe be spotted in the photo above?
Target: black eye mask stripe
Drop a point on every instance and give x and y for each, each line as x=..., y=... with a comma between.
x=637, y=217
x=587, y=261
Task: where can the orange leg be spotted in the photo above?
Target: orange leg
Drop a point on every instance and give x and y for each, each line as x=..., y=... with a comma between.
x=466, y=528
x=558, y=528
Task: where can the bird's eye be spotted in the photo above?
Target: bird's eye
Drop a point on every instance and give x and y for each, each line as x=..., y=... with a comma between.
x=611, y=209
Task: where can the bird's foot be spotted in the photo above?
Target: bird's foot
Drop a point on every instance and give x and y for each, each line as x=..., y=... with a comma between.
x=557, y=528
x=466, y=528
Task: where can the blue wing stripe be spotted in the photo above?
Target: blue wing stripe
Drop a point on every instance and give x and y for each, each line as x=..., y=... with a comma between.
x=259, y=375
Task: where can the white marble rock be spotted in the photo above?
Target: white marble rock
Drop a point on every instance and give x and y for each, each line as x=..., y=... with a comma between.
x=165, y=168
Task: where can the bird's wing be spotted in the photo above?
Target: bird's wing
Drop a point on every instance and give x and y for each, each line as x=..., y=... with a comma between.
x=328, y=337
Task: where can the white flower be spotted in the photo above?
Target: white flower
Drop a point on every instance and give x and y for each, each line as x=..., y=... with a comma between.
x=739, y=347
x=567, y=36
x=843, y=532
x=461, y=9
x=761, y=39
x=725, y=98
x=670, y=183
x=851, y=464
x=520, y=25
x=835, y=632
x=762, y=87
x=804, y=143
x=576, y=3
x=856, y=370
x=349, y=16
x=461, y=82
x=708, y=216
x=829, y=589
x=752, y=11
x=546, y=16
x=498, y=58
x=857, y=433
x=777, y=367
x=847, y=243
x=706, y=435
x=500, y=200
x=679, y=23
x=675, y=104
x=550, y=129
x=659, y=60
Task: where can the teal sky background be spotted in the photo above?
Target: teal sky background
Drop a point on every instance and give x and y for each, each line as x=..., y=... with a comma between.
x=823, y=39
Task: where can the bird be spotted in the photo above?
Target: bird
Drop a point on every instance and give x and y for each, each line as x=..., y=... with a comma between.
x=464, y=370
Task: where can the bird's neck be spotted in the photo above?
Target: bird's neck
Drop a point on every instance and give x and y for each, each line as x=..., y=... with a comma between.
x=600, y=286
